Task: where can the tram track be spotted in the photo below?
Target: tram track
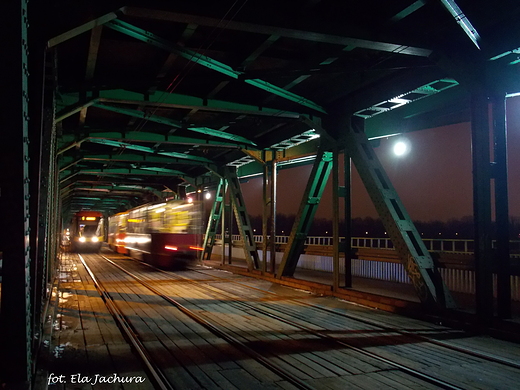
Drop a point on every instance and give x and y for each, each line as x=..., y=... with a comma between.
x=382, y=327
x=147, y=358
x=223, y=294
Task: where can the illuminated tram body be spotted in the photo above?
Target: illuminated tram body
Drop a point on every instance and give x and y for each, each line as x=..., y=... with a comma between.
x=87, y=231
x=167, y=235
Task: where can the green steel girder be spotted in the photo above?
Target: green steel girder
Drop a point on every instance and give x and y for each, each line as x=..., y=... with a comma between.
x=68, y=161
x=407, y=242
x=151, y=171
x=242, y=218
x=108, y=188
x=174, y=123
x=81, y=29
x=175, y=100
x=179, y=156
x=73, y=109
x=150, y=38
x=214, y=218
x=308, y=206
x=70, y=140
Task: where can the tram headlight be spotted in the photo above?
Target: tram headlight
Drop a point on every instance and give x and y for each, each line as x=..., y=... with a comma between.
x=82, y=239
x=95, y=239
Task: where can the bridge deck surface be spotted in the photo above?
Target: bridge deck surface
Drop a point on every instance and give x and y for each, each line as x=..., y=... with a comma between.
x=86, y=341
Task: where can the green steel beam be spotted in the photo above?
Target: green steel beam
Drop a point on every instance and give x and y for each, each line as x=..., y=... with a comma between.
x=174, y=123
x=65, y=175
x=108, y=188
x=150, y=38
x=175, y=100
x=145, y=136
x=407, y=242
x=81, y=29
x=179, y=156
x=312, y=36
x=73, y=109
x=214, y=218
x=68, y=161
x=308, y=206
x=242, y=218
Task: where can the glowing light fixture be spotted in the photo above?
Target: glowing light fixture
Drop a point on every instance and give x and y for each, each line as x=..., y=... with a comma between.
x=171, y=248
x=95, y=239
x=189, y=200
x=82, y=239
x=401, y=148
x=207, y=195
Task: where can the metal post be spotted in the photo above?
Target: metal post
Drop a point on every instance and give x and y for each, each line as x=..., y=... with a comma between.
x=265, y=215
x=335, y=219
x=274, y=179
x=15, y=322
x=348, y=219
x=501, y=208
x=223, y=224
x=482, y=205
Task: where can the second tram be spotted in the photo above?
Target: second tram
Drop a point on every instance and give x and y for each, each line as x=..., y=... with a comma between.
x=167, y=234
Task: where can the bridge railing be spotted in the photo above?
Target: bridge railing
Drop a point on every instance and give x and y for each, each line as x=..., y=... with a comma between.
x=432, y=244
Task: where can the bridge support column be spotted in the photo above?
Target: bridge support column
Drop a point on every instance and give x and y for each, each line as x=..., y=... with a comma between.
x=335, y=219
x=242, y=218
x=408, y=243
x=214, y=218
x=15, y=320
x=347, y=233
x=503, y=261
x=265, y=212
x=482, y=205
x=274, y=182
x=308, y=206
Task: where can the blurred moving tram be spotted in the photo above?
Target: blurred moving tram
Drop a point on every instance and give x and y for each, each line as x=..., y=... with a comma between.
x=167, y=234
x=87, y=231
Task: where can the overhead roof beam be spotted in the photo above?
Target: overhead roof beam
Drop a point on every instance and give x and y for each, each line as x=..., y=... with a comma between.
x=108, y=188
x=149, y=171
x=81, y=29
x=125, y=157
x=69, y=140
x=270, y=30
x=150, y=38
x=462, y=20
x=174, y=123
x=175, y=100
x=180, y=156
x=408, y=10
x=73, y=109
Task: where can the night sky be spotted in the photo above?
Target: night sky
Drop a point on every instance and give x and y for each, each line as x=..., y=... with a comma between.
x=433, y=180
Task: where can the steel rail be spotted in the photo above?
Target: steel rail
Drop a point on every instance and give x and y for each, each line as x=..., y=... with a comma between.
x=417, y=337
x=440, y=343
x=156, y=373
x=215, y=330
x=417, y=374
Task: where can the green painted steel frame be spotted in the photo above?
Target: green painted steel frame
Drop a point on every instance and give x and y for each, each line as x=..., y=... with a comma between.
x=214, y=218
x=150, y=38
x=242, y=218
x=308, y=206
x=174, y=123
x=407, y=242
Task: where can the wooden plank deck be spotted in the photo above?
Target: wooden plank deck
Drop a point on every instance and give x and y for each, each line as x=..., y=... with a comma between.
x=88, y=342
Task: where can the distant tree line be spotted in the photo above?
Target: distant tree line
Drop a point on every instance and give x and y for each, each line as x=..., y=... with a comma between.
x=371, y=227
